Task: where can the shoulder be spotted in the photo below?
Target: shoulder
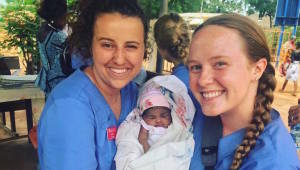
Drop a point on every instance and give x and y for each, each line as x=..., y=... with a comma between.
x=269, y=147
x=70, y=101
x=181, y=68
x=58, y=37
x=77, y=85
x=182, y=73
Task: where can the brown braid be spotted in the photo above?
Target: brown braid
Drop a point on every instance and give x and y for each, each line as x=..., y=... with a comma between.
x=257, y=48
x=261, y=116
x=171, y=33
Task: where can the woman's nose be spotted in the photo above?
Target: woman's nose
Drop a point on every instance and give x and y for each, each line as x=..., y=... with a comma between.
x=119, y=56
x=205, y=77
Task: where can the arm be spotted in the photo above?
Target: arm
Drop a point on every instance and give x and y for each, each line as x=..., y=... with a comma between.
x=143, y=139
x=66, y=136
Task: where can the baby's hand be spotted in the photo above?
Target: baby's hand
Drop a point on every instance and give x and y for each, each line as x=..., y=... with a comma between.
x=143, y=139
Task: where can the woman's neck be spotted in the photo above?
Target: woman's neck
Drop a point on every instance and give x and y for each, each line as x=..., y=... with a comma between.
x=111, y=95
x=234, y=121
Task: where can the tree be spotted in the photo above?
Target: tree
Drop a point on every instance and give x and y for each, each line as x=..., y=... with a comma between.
x=21, y=25
x=222, y=6
x=264, y=8
x=152, y=8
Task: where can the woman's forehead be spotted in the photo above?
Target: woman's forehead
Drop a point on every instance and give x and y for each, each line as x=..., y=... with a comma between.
x=115, y=24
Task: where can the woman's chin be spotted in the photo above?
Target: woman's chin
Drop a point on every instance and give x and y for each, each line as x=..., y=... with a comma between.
x=210, y=112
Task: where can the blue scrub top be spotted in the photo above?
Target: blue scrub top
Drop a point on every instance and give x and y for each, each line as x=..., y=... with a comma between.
x=274, y=148
x=72, y=131
x=182, y=72
x=196, y=162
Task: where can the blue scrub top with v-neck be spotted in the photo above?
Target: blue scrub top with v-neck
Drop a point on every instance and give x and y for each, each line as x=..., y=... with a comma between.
x=274, y=148
x=76, y=124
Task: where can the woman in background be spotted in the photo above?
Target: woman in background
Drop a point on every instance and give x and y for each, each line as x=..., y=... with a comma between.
x=51, y=38
x=172, y=37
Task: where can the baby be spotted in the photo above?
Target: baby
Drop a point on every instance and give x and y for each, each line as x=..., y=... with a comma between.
x=156, y=116
x=157, y=134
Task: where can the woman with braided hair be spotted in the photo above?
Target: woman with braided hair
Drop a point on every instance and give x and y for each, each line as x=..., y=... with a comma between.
x=231, y=76
x=172, y=37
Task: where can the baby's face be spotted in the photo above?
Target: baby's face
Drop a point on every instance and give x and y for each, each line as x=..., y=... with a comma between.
x=158, y=116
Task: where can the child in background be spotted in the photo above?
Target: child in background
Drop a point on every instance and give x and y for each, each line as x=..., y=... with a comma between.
x=157, y=133
x=292, y=72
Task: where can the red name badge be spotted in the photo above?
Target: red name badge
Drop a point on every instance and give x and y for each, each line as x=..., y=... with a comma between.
x=111, y=133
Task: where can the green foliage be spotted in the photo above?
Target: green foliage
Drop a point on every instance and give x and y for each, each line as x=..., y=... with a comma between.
x=21, y=24
x=222, y=6
x=152, y=7
x=71, y=4
x=264, y=8
x=181, y=6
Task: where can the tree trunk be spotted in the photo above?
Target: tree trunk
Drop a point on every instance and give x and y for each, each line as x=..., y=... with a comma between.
x=270, y=17
x=163, y=7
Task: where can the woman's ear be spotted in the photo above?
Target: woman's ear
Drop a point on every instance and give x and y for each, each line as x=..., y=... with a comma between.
x=259, y=68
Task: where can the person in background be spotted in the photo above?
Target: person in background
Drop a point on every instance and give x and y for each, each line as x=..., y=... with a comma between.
x=172, y=36
x=51, y=38
x=231, y=76
x=293, y=70
x=78, y=125
x=157, y=133
x=294, y=124
x=287, y=49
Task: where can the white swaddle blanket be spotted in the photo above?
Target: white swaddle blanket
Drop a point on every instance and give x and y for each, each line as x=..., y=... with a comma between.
x=174, y=149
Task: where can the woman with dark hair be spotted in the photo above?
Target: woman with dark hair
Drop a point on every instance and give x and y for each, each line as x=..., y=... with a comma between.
x=231, y=76
x=78, y=125
x=51, y=39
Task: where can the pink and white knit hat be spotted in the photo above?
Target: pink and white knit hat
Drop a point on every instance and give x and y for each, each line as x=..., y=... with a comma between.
x=152, y=97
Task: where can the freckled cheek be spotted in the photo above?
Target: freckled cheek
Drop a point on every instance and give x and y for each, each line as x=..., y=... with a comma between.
x=193, y=83
x=136, y=59
x=195, y=88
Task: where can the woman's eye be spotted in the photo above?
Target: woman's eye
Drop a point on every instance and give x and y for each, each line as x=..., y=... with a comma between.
x=220, y=64
x=195, y=68
x=107, y=45
x=131, y=46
